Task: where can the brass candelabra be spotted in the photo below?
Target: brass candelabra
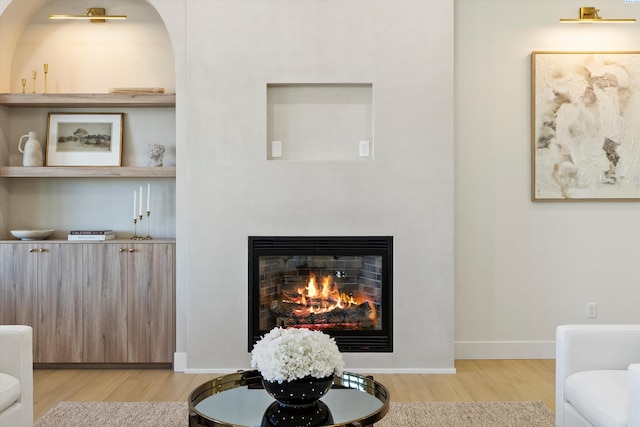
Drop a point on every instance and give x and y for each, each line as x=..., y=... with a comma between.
x=137, y=228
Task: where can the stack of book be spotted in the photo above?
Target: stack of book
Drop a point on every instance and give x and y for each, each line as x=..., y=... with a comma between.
x=91, y=235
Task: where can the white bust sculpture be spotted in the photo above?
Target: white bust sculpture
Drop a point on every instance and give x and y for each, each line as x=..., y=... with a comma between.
x=156, y=154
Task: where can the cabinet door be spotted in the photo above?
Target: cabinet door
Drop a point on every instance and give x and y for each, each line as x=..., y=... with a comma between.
x=151, y=303
x=104, y=302
x=59, y=324
x=18, y=284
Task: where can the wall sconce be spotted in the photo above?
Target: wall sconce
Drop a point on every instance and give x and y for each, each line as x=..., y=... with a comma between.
x=94, y=14
x=590, y=15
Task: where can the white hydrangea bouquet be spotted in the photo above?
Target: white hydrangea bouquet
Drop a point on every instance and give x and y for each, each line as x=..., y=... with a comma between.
x=289, y=354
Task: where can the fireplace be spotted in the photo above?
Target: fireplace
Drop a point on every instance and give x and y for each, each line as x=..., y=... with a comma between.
x=339, y=285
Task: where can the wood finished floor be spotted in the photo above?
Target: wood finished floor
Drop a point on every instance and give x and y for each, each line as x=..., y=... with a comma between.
x=475, y=380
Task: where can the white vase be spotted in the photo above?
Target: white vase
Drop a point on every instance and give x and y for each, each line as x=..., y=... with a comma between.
x=32, y=150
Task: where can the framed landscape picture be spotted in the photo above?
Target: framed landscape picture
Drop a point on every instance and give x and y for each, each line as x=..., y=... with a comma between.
x=585, y=126
x=84, y=139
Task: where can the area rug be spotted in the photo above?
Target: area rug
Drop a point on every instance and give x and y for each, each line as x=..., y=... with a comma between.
x=401, y=414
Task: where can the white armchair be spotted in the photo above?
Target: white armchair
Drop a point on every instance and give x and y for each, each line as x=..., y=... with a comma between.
x=598, y=375
x=16, y=376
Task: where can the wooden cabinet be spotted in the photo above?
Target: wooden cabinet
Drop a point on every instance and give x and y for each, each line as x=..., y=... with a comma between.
x=18, y=286
x=58, y=329
x=39, y=287
x=91, y=302
x=150, y=303
x=104, y=303
x=128, y=302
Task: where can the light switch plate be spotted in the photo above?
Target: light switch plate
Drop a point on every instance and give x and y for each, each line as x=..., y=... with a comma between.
x=276, y=148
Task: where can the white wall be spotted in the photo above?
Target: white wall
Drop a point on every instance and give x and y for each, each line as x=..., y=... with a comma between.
x=522, y=268
x=233, y=50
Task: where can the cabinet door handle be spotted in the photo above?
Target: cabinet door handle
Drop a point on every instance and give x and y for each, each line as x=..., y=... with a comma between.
x=125, y=250
x=131, y=250
x=42, y=250
x=31, y=250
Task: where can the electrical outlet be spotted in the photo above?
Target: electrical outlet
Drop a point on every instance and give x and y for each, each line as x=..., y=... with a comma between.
x=364, y=149
x=592, y=310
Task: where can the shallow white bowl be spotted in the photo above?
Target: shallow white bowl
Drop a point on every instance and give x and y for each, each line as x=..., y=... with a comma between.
x=32, y=234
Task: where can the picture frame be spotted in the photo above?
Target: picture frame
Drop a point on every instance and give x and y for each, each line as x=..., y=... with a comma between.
x=84, y=139
x=585, y=126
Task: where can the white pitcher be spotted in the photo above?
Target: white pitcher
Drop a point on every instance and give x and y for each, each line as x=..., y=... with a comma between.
x=32, y=150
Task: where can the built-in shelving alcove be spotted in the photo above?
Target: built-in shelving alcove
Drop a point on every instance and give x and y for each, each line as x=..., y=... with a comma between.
x=85, y=63
x=93, y=303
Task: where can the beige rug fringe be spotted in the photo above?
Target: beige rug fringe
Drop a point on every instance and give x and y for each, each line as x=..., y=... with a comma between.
x=401, y=414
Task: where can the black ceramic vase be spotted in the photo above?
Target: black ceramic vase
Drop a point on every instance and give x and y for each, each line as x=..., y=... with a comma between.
x=315, y=414
x=298, y=403
x=299, y=392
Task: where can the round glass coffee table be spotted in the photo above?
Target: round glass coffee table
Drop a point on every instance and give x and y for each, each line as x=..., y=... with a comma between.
x=239, y=400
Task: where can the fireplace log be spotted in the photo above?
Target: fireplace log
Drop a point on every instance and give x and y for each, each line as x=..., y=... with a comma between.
x=351, y=317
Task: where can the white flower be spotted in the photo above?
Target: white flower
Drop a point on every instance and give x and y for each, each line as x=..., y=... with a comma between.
x=288, y=354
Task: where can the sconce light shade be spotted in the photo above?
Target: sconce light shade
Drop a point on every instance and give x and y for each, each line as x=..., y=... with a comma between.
x=589, y=15
x=93, y=14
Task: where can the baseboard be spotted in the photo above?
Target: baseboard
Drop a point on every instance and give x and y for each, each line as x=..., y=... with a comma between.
x=463, y=350
x=505, y=349
x=89, y=365
x=212, y=371
x=179, y=362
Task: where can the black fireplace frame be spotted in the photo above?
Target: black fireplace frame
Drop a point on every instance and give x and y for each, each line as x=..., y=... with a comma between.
x=379, y=341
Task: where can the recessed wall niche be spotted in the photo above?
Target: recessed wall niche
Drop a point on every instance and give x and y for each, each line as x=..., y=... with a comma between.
x=320, y=122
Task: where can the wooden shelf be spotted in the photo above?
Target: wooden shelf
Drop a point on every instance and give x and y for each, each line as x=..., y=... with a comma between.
x=87, y=172
x=119, y=240
x=88, y=100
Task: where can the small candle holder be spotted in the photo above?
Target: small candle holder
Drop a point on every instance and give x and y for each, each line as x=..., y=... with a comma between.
x=148, y=222
x=135, y=230
x=46, y=70
x=137, y=223
x=139, y=236
x=35, y=73
x=24, y=85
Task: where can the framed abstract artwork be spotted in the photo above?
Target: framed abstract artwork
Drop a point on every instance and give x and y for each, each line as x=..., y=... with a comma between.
x=585, y=126
x=84, y=139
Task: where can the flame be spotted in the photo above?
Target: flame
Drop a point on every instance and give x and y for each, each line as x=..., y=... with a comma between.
x=315, y=298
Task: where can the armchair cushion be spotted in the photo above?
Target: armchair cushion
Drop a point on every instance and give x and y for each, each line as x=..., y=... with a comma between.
x=634, y=394
x=9, y=390
x=590, y=358
x=16, y=365
x=601, y=396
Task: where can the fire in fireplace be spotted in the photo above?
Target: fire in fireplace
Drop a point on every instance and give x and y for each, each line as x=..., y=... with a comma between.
x=324, y=306
x=340, y=285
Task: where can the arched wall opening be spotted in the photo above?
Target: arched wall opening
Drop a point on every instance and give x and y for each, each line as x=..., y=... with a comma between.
x=85, y=57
